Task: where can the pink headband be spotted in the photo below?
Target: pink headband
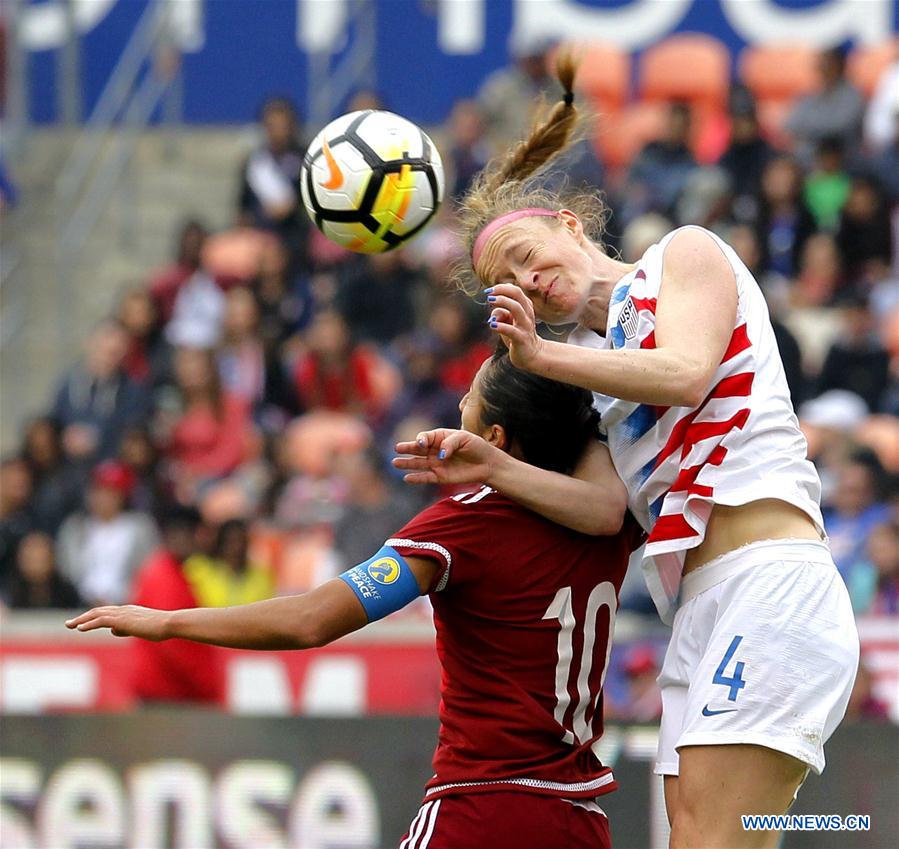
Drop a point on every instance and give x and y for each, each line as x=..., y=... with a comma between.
x=484, y=236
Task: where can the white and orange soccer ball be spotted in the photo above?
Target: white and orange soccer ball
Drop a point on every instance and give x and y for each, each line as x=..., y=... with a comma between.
x=372, y=180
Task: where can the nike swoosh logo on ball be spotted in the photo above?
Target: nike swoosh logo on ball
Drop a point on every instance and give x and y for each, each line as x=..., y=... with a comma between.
x=335, y=180
x=707, y=712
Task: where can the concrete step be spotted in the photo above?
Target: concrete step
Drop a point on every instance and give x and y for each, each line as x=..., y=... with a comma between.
x=172, y=176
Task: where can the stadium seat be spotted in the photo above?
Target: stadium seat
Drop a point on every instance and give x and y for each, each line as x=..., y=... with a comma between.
x=690, y=67
x=235, y=255
x=777, y=73
x=621, y=135
x=604, y=74
x=866, y=64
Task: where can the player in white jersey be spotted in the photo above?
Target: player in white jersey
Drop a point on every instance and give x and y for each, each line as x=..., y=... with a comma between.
x=680, y=355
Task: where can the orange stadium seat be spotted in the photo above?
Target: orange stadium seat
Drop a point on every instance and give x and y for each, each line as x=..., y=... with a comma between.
x=690, y=67
x=866, y=64
x=604, y=74
x=621, y=135
x=778, y=73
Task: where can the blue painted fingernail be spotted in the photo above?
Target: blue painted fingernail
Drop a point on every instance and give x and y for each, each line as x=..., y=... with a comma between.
x=442, y=454
x=491, y=297
x=489, y=321
x=488, y=291
x=493, y=325
x=421, y=442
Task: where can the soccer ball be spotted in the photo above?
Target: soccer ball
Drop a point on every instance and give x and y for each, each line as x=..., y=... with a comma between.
x=371, y=180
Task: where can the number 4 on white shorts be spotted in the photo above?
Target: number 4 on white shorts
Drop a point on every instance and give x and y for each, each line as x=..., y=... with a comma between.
x=734, y=682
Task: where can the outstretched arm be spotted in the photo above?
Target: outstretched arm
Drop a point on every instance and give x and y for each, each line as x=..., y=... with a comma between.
x=293, y=622
x=592, y=500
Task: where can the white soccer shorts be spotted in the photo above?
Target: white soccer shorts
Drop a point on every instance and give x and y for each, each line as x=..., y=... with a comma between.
x=764, y=651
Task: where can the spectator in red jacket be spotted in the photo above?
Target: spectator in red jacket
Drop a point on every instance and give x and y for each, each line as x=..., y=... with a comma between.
x=175, y=670
x=334, y=374
x=167, y=282
x=211, y=434
x=460, y=336
x=146, y=360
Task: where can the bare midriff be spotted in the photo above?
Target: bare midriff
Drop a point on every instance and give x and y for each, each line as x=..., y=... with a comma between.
x=730, y=528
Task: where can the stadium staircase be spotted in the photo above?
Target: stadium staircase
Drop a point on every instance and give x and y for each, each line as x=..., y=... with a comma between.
x=48, y=301
x=100, y=205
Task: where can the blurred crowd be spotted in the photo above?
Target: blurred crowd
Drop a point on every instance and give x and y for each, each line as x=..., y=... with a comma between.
x=226, y=435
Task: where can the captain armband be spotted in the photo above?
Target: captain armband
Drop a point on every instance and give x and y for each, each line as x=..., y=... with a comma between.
x=384, y=583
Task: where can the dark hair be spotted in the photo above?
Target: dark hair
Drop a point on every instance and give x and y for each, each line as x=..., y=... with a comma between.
x=681, y=109
x=550, y=423
x=14, y=458
x=831, y=145
x=179, y=517
x=40, y=422
x=837, y=55
x=279, y=103
x=867, y=458
x=213, y=386
x=228, y=527
x=740, y=101
x=189, y=228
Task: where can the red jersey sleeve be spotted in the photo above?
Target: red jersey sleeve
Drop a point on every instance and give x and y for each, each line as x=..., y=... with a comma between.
x=447, y=533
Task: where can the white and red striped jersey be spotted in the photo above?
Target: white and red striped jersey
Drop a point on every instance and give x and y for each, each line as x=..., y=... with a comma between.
x=741, y=444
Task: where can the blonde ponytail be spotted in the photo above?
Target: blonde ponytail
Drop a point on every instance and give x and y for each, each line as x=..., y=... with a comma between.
x=510, y=182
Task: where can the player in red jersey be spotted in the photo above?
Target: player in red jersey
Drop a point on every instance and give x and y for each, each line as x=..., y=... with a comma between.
x=524, y=611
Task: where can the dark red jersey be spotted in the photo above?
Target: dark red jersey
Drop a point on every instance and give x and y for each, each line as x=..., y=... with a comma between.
x=524, y=611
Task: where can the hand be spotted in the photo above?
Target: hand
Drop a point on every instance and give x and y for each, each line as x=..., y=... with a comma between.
x=127, y=620
x=445, y=456
x=79, y=440
x=513, y=317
